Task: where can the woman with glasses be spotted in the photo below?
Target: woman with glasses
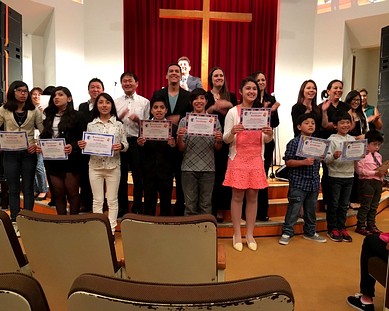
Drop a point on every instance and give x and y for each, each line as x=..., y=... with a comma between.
x=18, y=114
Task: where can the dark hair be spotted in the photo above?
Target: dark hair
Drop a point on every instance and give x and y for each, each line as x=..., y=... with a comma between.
x=184, y=58
x=300, y=97
x=374, y=136
x=95, y=110
x=11, y=103
x=67, y=118
x=158, y=98
x=48, y=90
x=341, y=115
x=304, y=117
x=224, y=93
x=363, y=90
x=324, y=93
x=97, y=80
x=37, y=88
x=359, y=111
x=173, y=64
x=196, y=93
x=130, y=74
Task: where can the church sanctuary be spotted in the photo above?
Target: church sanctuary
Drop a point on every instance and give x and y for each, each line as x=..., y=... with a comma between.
x=250, y=56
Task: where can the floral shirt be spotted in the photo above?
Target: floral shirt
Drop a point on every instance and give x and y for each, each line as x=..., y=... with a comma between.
x=114, y=127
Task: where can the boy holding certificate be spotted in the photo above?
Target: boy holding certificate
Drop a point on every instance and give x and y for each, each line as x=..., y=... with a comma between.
x=198, y=164
x=304, y=184
x=370, y=184
x=157, y=162
x=341, y=176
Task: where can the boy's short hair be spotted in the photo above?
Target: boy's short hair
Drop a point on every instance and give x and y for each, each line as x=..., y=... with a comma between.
x=304, y=117
x=196, y=93
x=374, y=136
x=341, y=115
x=158, y=99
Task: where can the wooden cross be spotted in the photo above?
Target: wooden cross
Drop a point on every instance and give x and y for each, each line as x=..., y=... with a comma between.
x=205, y=15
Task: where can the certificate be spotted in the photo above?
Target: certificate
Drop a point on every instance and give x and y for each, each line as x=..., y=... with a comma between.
x=312, y=147
x=12, y=141
x=155, y=130
x=201, y=124
x=98, y=144
x=53, y=149
x=255, y=118
x=354, y=150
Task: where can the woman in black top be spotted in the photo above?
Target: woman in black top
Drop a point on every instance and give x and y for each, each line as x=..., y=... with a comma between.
x=62, y=121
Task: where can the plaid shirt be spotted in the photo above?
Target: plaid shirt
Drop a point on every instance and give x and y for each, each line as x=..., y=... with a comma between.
x=306, y=178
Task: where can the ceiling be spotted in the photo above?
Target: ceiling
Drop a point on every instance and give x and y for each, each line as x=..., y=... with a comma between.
x=366, y=32
x=363, y=32
x=36, y=16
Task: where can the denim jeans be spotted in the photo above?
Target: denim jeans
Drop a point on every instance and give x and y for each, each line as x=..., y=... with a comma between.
x=112, y=179
x=298, y=198
x=20, y=164
x=198, y=187
x=340, y=191
x=40, y=183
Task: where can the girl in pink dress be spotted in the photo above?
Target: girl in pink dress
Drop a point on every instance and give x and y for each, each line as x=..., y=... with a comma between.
x=245, y=170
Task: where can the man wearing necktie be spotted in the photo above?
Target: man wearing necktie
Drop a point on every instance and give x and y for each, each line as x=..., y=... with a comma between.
x=131, y=109
x=188, y=82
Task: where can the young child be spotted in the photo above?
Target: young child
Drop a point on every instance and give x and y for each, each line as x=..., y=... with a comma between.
x=304, y=184
x=198, y=164
x=341, y=176
x=157, y=158
x=370, y=184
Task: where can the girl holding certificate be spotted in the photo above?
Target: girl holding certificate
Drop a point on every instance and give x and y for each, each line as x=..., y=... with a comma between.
x=19, y=115
x=102, y=168
x=245, y=170
x=62, y=121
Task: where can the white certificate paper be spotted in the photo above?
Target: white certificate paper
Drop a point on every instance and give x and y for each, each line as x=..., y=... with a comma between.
x=354, y=150
x=13, y=141
x=98, y=144
x=312, y=147
x=201, y=124
x=255, y=118
x=155, y=130
x=53, y=149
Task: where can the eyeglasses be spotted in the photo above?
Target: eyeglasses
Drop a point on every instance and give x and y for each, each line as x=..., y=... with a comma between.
x=21, y=91
x=357, y=101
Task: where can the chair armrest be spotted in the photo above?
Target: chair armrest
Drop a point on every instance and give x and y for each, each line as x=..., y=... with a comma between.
x=221, y=257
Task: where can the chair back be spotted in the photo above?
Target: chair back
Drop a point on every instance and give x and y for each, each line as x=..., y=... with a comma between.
x=170, y=249
x=98, y=293
x=12, y=258
x=60, y=248
x=22, y=293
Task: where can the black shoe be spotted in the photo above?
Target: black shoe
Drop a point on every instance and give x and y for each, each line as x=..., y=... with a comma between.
x=356, y=303
x=51, y=203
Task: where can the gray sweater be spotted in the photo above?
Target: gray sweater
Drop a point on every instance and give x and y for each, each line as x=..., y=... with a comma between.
x=337, y=167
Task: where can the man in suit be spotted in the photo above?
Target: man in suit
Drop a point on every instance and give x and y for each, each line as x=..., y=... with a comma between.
x=95, y=87
x=179, y=105
x=188, y=82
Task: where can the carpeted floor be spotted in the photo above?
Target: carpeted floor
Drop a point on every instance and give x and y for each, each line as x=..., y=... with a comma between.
x=321, y=275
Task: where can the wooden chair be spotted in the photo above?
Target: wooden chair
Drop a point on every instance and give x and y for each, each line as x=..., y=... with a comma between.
x=98, y=293
x=12, y=258
x=60, y=248
x=22, y=293
x=172, y=249
x=379, y=270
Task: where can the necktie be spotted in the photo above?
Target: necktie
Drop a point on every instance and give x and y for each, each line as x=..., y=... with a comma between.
x=376, y=160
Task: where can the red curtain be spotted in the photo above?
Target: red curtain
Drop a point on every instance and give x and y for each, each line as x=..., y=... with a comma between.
x=151, y=43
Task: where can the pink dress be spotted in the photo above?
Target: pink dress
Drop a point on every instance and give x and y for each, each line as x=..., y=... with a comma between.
x=246, y=170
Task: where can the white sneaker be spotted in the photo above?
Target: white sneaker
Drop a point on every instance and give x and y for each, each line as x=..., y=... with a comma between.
x=316, y=237
x=284, y=239
x=15, y=225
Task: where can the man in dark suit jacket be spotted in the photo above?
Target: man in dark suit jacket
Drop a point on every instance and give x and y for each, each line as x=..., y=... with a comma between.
x=95, y=87
x=188, y=82
x=179, y=105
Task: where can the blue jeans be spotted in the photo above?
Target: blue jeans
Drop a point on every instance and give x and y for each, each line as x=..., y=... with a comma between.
x=20, y=164
x=198, y=187
x=40, y=183
x=340, y=192
x=306, y=199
